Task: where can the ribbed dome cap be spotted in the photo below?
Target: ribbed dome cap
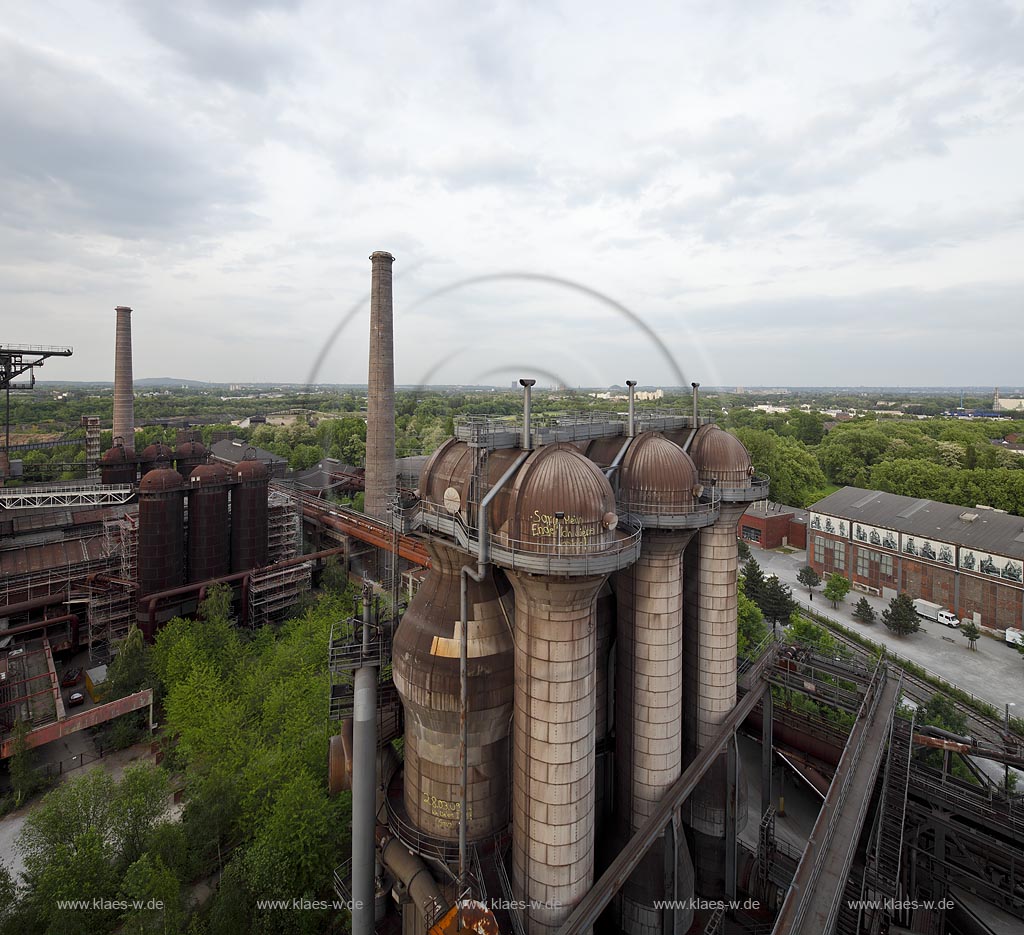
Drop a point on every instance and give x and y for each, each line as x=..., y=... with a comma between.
x=656, y=471
x=190, y=450
x=250, y=469
x=720, y=456
x=559, y=479
x=117, y=455
x=157, y=452
x=204, y=475
x=160, y=480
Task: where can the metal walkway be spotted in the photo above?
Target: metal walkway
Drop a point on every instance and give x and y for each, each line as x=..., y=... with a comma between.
x=28, y=498
x=812, y=903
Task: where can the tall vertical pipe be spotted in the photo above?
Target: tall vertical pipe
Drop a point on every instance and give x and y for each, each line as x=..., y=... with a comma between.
x=527, y=443
x=380, y=401
x=364, y=812
x=124, y=391
x=696, y=415
x=632, y=407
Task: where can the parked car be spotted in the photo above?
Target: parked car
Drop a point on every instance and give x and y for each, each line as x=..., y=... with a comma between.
x=75, y=699
x=71, y=677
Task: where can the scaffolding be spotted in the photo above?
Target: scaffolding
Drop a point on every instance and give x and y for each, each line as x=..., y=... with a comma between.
x=274, y=591
x=284, y=526
x=112, y=604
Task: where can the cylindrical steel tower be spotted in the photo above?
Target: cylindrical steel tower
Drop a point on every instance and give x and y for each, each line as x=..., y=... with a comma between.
x=124, y=391
x=188, y=456
x=557, y=542
x=426, y=674
x=209, y=553
x=380, y=400
x=658, y=484
x=249, y=515
x=709, y=647
x=161, y=531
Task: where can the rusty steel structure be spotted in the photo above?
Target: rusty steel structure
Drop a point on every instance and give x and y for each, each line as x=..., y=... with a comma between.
x=209, y=523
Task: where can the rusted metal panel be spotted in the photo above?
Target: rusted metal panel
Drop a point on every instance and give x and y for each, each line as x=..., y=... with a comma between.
x=161, y=549
x=91, y=718
x=249, y=515
x=208, y=523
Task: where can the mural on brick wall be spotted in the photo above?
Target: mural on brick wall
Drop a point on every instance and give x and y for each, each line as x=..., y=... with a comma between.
x=929, y=549
x=998, y=566
x=876, y=536
x=830, y=524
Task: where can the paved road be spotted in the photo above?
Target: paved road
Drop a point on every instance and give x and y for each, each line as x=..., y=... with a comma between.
x=994, y=671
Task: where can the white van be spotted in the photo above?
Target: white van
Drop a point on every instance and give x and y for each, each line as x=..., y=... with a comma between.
x=945, y=617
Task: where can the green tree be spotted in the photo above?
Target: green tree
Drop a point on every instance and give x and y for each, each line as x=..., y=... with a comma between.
x=129, y=671
x=836, y=588
x=777, y=601
x=140, y=799
x=24, y=779
x=753, y=581
x=750, y=625
x=742, y=549
x=154, y=893
x=972, y=633
x=940, y=711
x=809, y=578
x=863, y=612
x=900, y=617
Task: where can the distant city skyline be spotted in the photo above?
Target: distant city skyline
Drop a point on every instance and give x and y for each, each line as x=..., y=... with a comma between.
x=781, y=194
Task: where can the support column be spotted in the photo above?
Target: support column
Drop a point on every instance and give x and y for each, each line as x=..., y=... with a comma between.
x=648, y=728
x=553, y=751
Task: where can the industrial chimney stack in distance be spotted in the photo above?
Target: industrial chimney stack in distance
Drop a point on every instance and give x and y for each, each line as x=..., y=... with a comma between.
x=124, y=390
x=380, y=402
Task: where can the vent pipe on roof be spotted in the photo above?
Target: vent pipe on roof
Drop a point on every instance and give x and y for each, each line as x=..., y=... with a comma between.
x=632, y=407
x=696, y=418
x=527, y=443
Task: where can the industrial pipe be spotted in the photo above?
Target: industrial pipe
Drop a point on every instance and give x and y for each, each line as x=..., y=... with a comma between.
x=477, y=574
x=527, y=433
x=631, y=425
x=696, y=417
x=10, y=610
x=43, y=624
x=410, y=869
x=364, y=814
x=149, y=602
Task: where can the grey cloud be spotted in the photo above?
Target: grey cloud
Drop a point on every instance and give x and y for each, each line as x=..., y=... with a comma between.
x=220, y=41
x=81, y=154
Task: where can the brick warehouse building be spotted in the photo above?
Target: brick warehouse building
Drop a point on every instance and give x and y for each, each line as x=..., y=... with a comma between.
x=968, y=560
x=771, y=525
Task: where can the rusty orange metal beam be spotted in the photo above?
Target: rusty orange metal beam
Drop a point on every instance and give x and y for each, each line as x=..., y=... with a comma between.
x=92, y=717
x=370, y=531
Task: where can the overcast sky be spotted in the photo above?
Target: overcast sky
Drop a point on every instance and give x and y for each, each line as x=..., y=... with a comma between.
x=785, y=193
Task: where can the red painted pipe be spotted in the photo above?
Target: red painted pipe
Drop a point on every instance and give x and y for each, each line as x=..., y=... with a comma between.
x=48, y=601
x=149, y=602
x=43, y=624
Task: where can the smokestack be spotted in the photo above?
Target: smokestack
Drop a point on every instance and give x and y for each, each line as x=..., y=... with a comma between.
x=380, y=403
x=124, y=390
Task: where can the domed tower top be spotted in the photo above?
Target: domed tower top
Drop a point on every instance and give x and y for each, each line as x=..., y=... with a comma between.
x=160, y=480
x=724, y=463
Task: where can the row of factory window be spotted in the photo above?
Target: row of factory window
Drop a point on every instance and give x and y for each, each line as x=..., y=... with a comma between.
x=838, y=550
x=865, y=557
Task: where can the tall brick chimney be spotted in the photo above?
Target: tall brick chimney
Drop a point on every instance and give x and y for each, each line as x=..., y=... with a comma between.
x=380, y=404
x=124, y=391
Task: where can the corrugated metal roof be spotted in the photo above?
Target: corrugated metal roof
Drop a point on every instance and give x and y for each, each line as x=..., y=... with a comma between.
x=992, y=531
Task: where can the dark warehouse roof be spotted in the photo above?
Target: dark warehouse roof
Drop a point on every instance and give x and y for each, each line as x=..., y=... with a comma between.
x=975, y=527
x=234, y=450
